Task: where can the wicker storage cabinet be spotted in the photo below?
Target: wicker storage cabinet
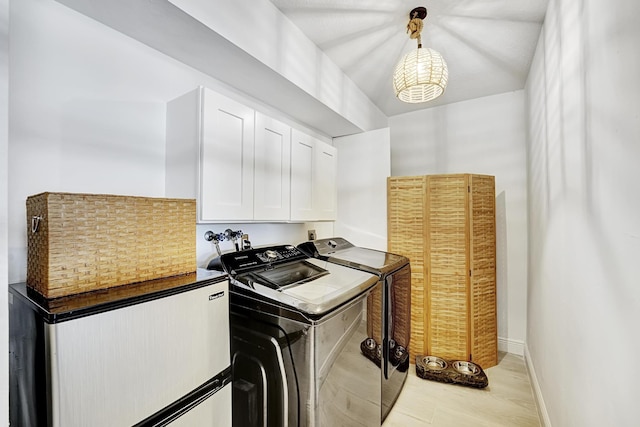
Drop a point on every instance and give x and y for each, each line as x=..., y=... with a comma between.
x=445, y=224
x=84, y=242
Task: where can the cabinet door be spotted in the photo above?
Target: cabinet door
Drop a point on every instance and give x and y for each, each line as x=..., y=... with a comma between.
x=302, y=166
x=447, y=267
x=482, y=259
x=272, y=178
x=325, y=173
x=314, y=166
x=227, y=145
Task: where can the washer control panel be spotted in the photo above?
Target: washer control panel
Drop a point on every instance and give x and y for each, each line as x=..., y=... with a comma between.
x=255, y=259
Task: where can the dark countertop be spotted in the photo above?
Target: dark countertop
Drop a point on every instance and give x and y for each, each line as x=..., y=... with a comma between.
x=89, y=303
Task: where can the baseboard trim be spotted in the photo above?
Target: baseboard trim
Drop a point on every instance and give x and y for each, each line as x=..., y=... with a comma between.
x=537, y=393
x=511, y=346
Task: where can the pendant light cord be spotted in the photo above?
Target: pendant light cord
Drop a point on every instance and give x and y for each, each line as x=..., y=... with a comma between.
x=414, y=27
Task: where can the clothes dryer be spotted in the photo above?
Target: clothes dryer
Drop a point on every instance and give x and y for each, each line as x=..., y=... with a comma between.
x=388, y=309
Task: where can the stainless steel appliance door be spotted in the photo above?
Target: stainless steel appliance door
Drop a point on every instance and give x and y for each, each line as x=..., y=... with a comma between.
x=396, y=314
x=347, y=384
x=118, y=367
x=264, y=376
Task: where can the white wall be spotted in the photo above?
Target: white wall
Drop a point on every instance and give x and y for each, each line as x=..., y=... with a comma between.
x=259, y=235
x=4, y=163
x=584, y=228
x=276, y=42
x=484, y=136
x=88, y=115
x=364, y=163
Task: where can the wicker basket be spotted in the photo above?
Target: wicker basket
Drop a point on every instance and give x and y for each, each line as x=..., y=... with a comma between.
x=84, y=242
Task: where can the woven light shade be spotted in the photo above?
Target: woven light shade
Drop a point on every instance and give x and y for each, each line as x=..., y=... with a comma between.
x=420, y=76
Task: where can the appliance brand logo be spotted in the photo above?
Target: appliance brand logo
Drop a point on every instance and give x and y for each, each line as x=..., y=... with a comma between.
x=216, y=295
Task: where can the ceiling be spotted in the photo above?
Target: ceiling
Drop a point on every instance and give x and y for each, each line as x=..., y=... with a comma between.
x=488, y=44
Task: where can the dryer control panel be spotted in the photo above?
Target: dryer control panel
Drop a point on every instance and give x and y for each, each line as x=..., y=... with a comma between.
x=323, y=248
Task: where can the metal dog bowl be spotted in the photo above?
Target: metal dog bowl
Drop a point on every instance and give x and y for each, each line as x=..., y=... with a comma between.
x=448, y=371
x=434, y=363
x=467, y=368
x=370, y=343
x=371, y=350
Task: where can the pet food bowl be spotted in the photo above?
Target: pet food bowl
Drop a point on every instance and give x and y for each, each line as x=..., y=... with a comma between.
x=447, y=371
x=466, y=368
x=370, y=343
x=434, y=363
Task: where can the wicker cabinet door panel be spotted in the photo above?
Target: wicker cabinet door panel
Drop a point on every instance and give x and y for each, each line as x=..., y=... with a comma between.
x=445, y=225
x=447, y=255
x=406, y=203
x=484, y=329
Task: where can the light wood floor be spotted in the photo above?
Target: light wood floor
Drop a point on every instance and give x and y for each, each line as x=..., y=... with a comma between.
x=507, y=401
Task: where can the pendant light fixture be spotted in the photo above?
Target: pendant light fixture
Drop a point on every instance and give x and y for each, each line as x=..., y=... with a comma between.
x=422, y=74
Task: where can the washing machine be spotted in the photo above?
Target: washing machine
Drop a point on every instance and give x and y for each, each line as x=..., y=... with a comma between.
x=297, y=324
x=388, y=309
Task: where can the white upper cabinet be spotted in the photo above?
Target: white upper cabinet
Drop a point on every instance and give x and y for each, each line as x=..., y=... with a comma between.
x=241, y=165
x=209, y=157
x=226, y=187
x=325, y=172
x=272, y=178
x=313, y=178
x=302, y=191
